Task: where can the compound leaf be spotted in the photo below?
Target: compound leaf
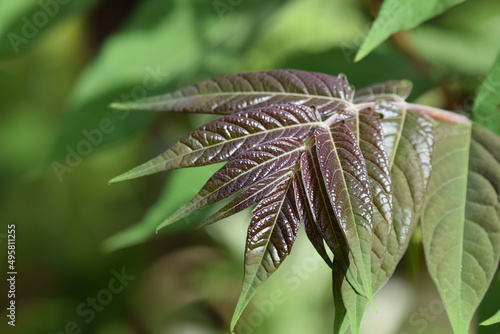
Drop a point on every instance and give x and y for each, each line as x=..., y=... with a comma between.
x=227, y=94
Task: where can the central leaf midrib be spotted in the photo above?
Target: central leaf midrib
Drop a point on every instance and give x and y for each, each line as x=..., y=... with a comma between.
x=399, y=134
x=466, y=179
x=282, y=201
x=326, y=200
x=277, y=129
x=272, y=184
x=194, y=204
x=343, y=178
x=234, y=94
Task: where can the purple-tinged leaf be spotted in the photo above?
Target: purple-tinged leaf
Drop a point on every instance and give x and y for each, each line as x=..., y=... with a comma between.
x=307, y=218
x=271, y=235
x=346, y=179
x=324, y=217
x=322, y=212
x=218, y=140
x=227, y=94
x=243, y=171
x=372, y=146
x=250, y=196
x=390, y=90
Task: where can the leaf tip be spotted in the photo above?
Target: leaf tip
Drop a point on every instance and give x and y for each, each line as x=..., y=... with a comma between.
x=120, y=178
x=119, y=105
x=406, y=83
x=359, y=55
x=372, y=303
x=234, y=321
x=162, y=225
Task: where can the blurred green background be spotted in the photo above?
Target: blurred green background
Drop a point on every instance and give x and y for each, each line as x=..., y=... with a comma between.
x=62, y=62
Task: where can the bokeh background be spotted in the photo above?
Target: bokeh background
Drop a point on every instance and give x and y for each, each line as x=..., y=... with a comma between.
x=62, y=62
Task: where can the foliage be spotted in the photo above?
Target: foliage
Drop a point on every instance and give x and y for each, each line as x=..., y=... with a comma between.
x=62, y=62
x=357, y=169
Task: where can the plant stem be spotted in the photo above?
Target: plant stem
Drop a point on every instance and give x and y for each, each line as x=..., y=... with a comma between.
x=437, y=114
x=330, y=120
x=432, y=112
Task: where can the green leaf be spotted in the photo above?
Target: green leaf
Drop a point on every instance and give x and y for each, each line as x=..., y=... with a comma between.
x=409, y=137
x=461, y=218
x=486, y=110
x=398, y=15
x=344, y=171
x=373, y=148
x=158, y=48
x=410, y=171
x=377, y=164
x=340, y=317
x=495, y=319
x=393, y=121
x=271, y=234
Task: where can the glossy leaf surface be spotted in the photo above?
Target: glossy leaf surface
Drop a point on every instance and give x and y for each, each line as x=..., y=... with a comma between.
x=410, y=172
x=307, y=218
x=220, y=139
x=224, y=95
x=243, y=171
x=270, y=238
x=355, y=169
x=346, y=180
